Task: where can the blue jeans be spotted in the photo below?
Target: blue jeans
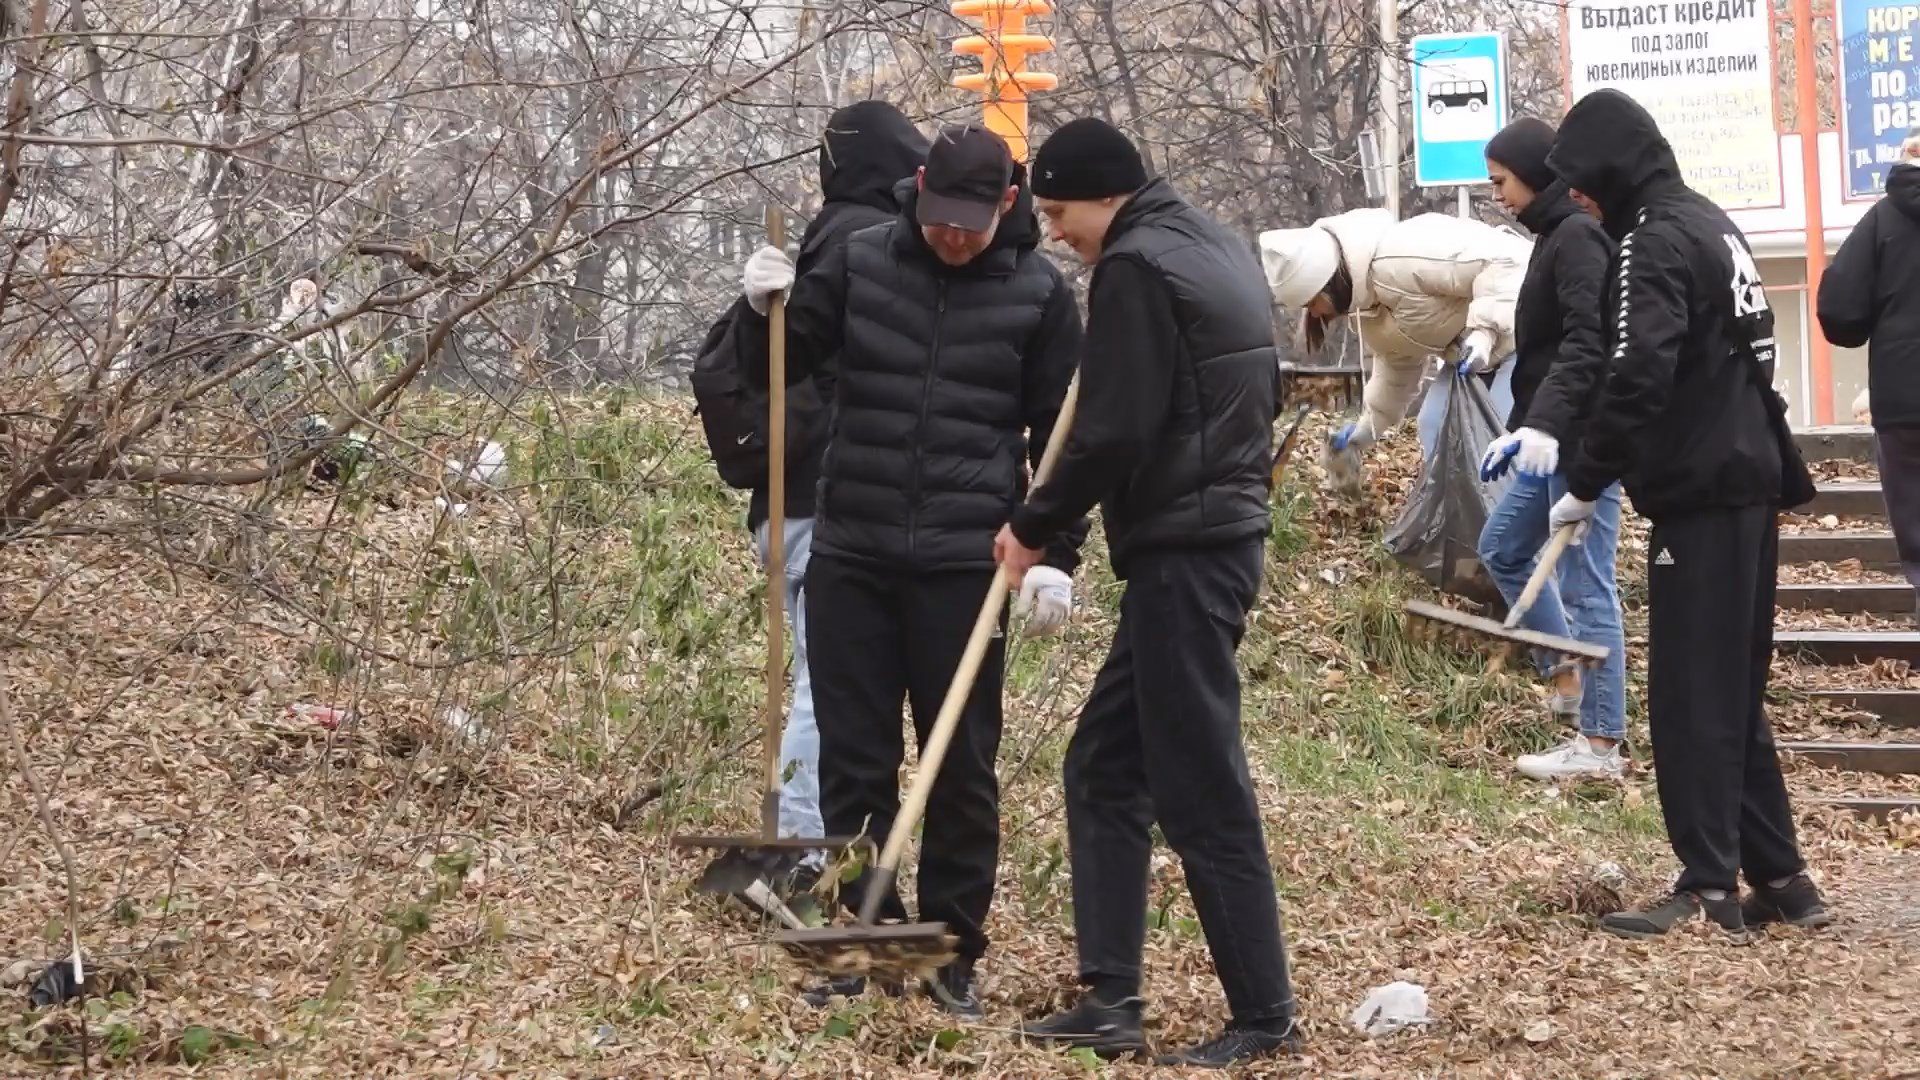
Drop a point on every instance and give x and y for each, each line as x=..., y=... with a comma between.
x=1433, y=408
x=1580, y=602
x=800, y=742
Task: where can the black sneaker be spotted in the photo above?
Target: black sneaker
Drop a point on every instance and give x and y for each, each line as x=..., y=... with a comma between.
x=952, y=989
x=1109, y=1030
x=1236, y=1046
x=1797, y=903
x=845, y=986
x=1676, y=909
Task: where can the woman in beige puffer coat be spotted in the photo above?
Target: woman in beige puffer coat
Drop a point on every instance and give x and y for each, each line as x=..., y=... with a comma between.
x=1428, y=289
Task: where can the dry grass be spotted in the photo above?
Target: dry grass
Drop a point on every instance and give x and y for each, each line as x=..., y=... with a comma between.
x=395, y=899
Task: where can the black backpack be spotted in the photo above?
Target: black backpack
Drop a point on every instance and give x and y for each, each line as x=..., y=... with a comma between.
x=733, y=414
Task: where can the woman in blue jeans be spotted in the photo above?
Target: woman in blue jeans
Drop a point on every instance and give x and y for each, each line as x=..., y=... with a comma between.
x=1559, y=367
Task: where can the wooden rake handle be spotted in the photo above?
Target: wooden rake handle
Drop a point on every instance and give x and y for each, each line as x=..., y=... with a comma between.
x=958, y=690
x=773, y=710
x=1541, y=573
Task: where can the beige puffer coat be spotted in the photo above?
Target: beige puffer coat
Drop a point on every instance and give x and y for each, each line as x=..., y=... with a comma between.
x=1418, y=286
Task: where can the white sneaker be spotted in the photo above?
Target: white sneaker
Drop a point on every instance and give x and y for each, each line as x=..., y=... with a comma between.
x=1574, y=759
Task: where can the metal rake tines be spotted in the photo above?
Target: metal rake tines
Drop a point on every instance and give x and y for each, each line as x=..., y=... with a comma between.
x=895, y=951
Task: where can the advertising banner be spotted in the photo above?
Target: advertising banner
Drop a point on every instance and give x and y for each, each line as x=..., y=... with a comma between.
x=1704, y=69
x=1879, y=88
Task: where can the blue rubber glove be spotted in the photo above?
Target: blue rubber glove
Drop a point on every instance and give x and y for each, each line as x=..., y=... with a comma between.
x=1356, y=434
x=1499, y=457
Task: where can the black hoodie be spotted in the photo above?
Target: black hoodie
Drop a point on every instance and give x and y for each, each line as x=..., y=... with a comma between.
x=1688, y=416
x=1871, y=296
x=941, y=372
x=866, y=150
x=1559, y=335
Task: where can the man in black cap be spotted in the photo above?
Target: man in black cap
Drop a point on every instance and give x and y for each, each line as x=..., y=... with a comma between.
x=954, y=340
x=1174, y=437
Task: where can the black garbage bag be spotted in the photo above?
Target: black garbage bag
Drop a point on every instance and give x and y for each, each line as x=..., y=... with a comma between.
x=1439, y=530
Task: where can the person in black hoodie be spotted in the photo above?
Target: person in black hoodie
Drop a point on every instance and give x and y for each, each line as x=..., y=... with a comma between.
x=1871, y=296
x=1174, y=438
x=953, y=342
x=866, y=150
x=1691, y=422
x=1561, y=361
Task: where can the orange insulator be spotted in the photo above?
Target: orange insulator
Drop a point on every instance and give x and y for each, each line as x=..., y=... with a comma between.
x=1003, y=46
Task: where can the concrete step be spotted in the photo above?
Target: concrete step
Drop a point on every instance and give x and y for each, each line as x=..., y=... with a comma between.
x=1874, y=549
x=1848, y=646
x=1847, y=598
x=1876, y=809
x=1887, y=759
x=1855, y=498
x=1893, y=708
x=1839, y=442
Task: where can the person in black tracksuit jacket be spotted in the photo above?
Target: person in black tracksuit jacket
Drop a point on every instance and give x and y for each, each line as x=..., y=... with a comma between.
x=1173, y=436
x=955, y=342
x=1871, y=296
x=866, y=150
x=1691, y=422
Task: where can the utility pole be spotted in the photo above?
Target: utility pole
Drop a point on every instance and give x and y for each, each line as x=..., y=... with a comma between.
x=1807, y=113
x=1390, y=103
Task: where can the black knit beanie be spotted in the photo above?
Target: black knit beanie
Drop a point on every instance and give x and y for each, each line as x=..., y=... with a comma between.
x=1522, y=146
x=1087, y=158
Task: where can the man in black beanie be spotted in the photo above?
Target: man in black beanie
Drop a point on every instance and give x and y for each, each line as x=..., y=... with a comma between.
x=1174, y=437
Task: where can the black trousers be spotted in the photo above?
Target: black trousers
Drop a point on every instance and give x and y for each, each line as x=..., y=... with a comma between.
x=1710, y=595
x=874, y=639
x=1160, y=740
x=1897, y=452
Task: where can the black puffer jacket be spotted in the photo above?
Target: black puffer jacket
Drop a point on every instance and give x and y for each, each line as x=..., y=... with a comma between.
x=1684, y=418
x=1174, y=433
x=941, y=373
x=866, y=150
x=1559, y=332
x=1871, y=296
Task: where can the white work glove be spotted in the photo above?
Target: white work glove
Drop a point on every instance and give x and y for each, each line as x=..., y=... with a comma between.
x=1539, y=453
x=1045, y=600
x=1475, y=353
x=768, y=271
x=1571, y=511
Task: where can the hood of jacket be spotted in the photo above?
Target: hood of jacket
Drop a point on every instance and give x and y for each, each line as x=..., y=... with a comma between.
x=1359, y=232
x=1548, y=209
x=1611, y=150
x=1019, y=229
x=1903, y=188
x=866, y=150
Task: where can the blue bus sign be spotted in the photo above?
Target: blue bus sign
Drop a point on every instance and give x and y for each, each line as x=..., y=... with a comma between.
x=1459, y=103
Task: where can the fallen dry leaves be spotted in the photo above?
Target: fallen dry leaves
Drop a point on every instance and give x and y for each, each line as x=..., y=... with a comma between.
x=378, y=895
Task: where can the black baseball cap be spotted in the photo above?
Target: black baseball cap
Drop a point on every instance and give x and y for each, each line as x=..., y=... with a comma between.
x=968, y=172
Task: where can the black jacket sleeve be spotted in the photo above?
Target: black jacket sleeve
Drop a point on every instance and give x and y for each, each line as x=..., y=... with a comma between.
x=1126, y=381
x=816, y=307
x=1050, y=361
x=1652, y=294
x=1581, y=254
x=1849, y=291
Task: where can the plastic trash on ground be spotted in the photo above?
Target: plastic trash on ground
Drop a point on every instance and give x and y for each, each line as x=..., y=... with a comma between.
x=1393, y=1007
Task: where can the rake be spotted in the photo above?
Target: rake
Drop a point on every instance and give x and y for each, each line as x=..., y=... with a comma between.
x=904, y=951
x=1511, y=632
x=744, y=860
x=1287, y=443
